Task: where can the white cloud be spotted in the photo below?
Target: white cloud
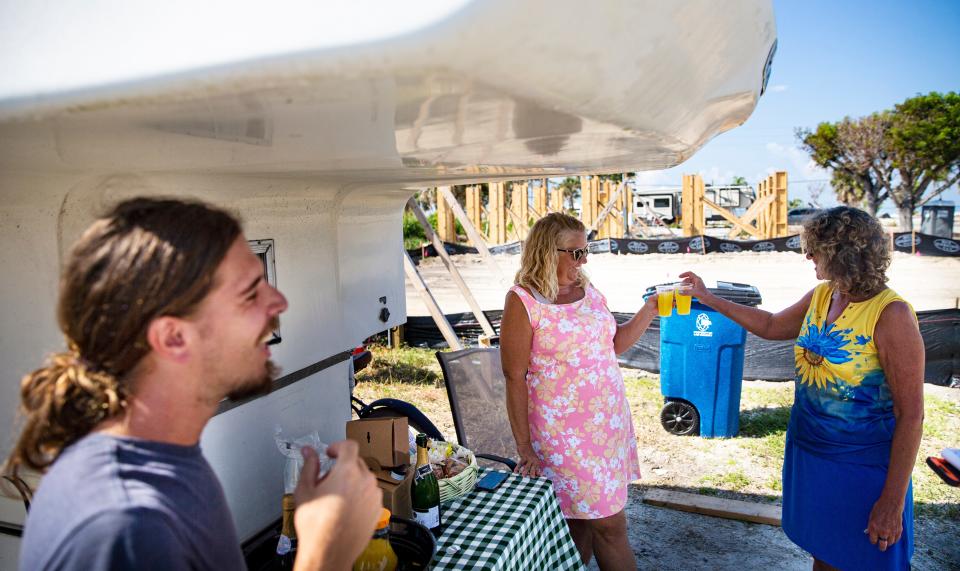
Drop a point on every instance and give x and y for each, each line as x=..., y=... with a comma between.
x=656, y=178
x=779, y=88
x=711, y=175
x=715, y=175
x=800, y=167
x=798, y=161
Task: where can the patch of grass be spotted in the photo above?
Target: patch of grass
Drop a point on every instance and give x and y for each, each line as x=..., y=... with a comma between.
x=763, y=435
x=413, y=243
x=736, y=480
x=765, y=421
x=409, y=365
x=940, y=421
x=941, y=424
x=643, y=388
x=766, y=395
x=764, y=415
x=775, y=484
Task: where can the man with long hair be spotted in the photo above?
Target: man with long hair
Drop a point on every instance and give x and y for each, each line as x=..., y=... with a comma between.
x=165, y=312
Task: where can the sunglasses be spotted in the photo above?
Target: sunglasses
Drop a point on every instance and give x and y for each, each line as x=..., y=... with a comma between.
x=577, y=254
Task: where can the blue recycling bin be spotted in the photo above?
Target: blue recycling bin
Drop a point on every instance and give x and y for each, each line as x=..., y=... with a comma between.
x=701, y=367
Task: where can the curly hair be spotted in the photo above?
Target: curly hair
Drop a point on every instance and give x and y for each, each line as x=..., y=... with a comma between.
x=538, y=265
x=852, y=249
x=147, y=258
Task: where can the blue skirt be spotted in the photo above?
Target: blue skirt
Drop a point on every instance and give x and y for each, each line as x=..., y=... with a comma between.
x=826, y=507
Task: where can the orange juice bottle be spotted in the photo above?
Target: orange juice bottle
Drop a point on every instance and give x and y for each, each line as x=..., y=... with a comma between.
x=378, y=555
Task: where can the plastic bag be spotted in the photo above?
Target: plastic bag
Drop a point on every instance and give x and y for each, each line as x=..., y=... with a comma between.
x=294, y=459
x=293, y=464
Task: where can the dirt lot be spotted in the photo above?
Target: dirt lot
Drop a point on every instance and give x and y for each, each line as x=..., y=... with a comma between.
x=746, y=467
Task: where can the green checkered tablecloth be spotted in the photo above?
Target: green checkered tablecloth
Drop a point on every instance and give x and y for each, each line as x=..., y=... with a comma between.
x=517, y=526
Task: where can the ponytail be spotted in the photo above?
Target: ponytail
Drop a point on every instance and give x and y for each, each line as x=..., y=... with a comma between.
x=60, y=403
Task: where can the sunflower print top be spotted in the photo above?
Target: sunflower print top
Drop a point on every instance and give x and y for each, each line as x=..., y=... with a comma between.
x=843, y=406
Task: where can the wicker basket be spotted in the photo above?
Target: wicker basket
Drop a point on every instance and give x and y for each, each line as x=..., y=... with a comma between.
x=461, y=484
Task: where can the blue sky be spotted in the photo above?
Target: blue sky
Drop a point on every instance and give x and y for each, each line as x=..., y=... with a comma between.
x=834, y=59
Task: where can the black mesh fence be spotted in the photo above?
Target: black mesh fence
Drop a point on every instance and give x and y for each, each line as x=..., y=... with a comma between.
x=908, y=242
x=763, y=359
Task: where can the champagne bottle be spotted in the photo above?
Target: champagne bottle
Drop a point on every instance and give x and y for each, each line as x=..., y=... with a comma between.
x=425, y=493
x=287, y=546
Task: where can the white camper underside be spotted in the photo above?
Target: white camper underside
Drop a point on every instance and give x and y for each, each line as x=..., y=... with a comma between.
x=314, y=121
x=491, y=88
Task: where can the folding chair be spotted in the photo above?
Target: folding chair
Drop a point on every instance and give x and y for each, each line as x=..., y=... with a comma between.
x=477, y=392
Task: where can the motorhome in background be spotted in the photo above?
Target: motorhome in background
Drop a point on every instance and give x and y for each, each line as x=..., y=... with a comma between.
x=665, y=203
x=657, y=203
x=316, y=122
x=735, y=199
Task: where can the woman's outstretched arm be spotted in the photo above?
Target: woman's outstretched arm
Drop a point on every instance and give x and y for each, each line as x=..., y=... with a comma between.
x=628, y=333
x=780, y=326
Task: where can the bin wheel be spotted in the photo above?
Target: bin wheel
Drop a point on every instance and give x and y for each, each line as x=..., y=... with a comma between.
x=680, y=418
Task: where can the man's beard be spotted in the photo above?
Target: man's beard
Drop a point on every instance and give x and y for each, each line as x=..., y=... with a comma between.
x=258, y=386
x=263, y=383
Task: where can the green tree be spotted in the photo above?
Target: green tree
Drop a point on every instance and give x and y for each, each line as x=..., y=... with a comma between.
x=854, y=149
x=910, y=154
x=413, y=234
x=570, y=187
x=739, y=181
x=924, y=148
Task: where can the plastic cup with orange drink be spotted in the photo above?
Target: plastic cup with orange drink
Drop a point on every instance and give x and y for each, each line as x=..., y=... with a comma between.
x=682, y=295
x=665, y=300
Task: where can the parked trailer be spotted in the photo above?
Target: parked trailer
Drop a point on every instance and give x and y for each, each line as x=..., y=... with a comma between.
x=665, y=203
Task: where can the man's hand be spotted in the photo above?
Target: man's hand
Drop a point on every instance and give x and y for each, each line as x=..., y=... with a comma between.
x=336, y=515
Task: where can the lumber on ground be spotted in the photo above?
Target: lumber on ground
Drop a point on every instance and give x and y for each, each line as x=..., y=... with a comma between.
x=718, y=507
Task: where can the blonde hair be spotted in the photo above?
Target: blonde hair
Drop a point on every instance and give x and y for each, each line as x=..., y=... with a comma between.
x=538, y=266
x=852, y=248
x=147, y=258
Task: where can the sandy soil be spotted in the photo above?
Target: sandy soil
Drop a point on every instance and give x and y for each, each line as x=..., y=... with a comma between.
x=781, y=277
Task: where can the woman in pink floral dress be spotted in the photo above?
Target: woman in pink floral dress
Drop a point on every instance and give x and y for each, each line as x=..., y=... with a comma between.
x=565, y=395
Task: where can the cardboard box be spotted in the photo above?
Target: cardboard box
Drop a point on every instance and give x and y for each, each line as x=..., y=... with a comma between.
x=396, y=495
x=383, y=441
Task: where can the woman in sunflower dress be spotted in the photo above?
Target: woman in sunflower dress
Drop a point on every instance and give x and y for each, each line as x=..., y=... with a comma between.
x=857, y=416
x=565, y=397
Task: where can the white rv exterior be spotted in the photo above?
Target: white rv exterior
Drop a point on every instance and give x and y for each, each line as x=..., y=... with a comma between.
x=315, y=122
x=664, y=203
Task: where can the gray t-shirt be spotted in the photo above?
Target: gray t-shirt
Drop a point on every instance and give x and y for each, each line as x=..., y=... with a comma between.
x=123, y=503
